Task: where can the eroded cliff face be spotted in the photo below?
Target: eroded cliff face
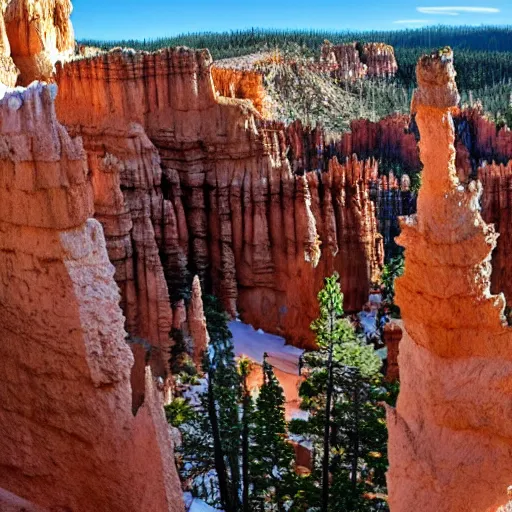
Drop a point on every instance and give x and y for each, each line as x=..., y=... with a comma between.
x=233, y=212
x=449, y=440
x=141, y=230
x=8, y=70
x=70, y=440
x=40, y=33
x=234, y=80
x=353, y=61
x=497, y=209
x=392, y=139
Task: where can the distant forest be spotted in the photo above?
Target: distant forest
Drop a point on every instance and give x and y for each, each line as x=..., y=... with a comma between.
x=483, y=57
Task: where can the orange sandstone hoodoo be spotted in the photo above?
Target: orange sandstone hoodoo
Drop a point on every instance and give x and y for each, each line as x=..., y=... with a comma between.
x=40, y=33
x=69, y=439
x=450, y=436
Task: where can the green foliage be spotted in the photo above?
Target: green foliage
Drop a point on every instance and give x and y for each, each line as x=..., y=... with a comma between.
x=271, y=455
x=224, y=394
x=178, y=412
x=180, y=361
x=242, y=42
x=242, y=442
x=318, y=99
x=342, y=394
x=393, y=269
x=483, y=61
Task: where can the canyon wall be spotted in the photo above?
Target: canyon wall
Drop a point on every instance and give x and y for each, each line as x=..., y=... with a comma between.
x=449, y=440
x=234, y=213
x=497, y=210
x=70, y=440
x=391, y=139
x=484, y=140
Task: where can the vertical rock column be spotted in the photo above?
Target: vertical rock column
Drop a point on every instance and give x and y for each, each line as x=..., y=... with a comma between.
x=450, y=436
x=68, y=437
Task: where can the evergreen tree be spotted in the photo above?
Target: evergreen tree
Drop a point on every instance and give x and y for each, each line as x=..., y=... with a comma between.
x=245, y=367
x=223, y=398
x=271, y=455
x=335, y=394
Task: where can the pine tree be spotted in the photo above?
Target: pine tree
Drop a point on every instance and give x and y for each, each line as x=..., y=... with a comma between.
x=271, y=454
x=334, y=394
x=223, y=397
x=245, y=367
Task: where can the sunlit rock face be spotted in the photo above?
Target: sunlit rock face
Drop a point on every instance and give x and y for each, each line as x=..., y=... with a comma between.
x=69, y=439
x=40, y=34
x=218, y=193
x=353, y=61
x=449, y=436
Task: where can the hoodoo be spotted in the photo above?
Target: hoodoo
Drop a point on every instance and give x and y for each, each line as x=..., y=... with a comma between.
x=450, y=434
x=69, y=439
x=40, y=33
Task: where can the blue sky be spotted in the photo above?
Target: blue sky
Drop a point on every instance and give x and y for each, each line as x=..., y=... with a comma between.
x=136, y=19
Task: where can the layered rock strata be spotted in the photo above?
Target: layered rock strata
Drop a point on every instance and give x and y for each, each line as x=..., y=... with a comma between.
x=40, y=34
x=391, y=139
x=69, y=439
x=346, y=60
x=496, y=205
x=8, y=70
x=380, y=59
x=484, y=140
x=141, y=230
x=237, y=216
x=240, y=78
x=449, y=431
x=354, y=61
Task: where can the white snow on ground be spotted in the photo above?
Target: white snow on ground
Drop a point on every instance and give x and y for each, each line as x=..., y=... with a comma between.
x=283, y=358
x=254, y=344
x=201, y=506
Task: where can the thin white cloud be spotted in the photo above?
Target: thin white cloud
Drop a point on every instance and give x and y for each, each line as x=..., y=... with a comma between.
x=455, y=11
x=411, y=22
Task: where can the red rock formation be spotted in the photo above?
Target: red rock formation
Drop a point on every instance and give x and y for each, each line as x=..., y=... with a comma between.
x=244, y=221
x=392, y=336
x=449, y=438
x=388, y=139
x=380, y=59
x=69, y=438
x=497, y=209
x=8, y=71
x=354, y=61
x=239, y=83
x=197, y=323
x=139, y=226
x=490, y=143
x=346, y=59
x=40, y=33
